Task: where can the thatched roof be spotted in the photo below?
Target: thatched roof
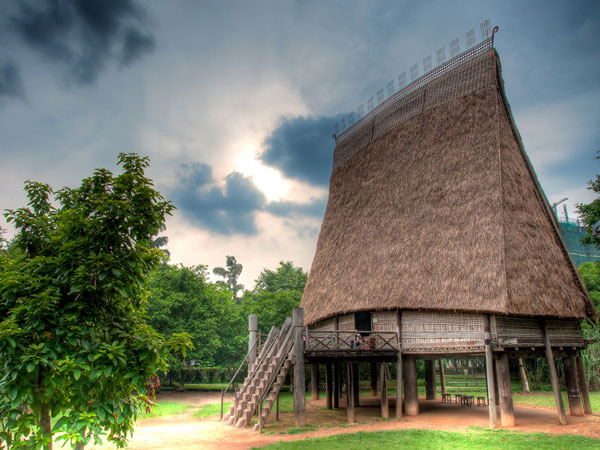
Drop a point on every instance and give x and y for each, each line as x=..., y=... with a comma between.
x=433, y=204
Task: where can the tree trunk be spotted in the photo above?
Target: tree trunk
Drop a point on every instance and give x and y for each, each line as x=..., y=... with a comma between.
x=46, y=425
x=181, y=376
x=523, y=376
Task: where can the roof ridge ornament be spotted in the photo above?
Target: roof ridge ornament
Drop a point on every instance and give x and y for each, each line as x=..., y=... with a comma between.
x=354, y=120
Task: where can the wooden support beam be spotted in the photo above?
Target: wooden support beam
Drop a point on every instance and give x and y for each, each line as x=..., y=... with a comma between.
x=299, y=369
x=385, y=408
x=507, y=412
x=373, y=379
x=489, y=370
x=399, y=386
x=349, y=393
x=356, y=390
x=572, y=383
x=442, y=376
x=583, y=387
x=411, y=393
x=560, y=408
x=314, y=381
x=429, y=379
x=337, y=385
x=328, y=390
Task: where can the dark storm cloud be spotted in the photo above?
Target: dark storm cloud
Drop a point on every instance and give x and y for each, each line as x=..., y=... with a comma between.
x=84, y=36
x=315, y=208
x=231, y=209
x=302, y=148
x=227, y=210
x=11, y=84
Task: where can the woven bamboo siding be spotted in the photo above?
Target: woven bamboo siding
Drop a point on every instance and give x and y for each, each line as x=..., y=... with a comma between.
x=324, y=325
x=528, y=331
x=384, y=320
x=426, y=330
x=346, y=323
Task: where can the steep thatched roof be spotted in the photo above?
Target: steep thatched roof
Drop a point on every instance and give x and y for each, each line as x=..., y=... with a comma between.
x=433, y=204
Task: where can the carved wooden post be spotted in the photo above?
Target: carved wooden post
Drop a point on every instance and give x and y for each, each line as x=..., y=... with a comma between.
x=411, y=393
x=373, y=379
x=385, y=408
x=587, y=406
x=573, y=395
x=328, y=392
x=442, y=375
x=252, y=338
x=336, y=385
x=349, y=393
x=560, y=408
x=507, y=412
x=489, y=369
x=299, y=369
x=429, y=379
x=314, y=381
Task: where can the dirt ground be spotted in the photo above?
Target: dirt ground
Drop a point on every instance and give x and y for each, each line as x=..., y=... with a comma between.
x=184, y=432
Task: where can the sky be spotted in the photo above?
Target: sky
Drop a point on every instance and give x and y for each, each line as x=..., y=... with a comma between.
x=235, y=102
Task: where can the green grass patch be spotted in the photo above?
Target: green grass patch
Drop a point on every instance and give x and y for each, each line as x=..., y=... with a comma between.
x=299, y=430
x=213, y=409
x=162, y=409
x=547, y=399
x=431, y=439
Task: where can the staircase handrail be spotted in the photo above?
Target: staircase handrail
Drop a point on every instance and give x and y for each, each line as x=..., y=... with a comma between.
x=240, y=367
x=288, y=343
x=236, y=374
x=270, y=342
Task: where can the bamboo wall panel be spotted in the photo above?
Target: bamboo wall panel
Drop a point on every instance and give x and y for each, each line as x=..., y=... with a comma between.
x=324, y=325
x=384, y=320
x=346, y=323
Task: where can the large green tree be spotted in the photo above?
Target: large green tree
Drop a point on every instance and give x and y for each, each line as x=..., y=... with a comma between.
x=275, y=295
x=74, y=343
x=590, y=273
x=182, y=300
x=590, y=213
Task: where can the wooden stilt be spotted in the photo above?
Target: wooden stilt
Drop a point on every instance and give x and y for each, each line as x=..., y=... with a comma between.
x=489, y=369
x=349, y=393
x=299, y=369
x=442, y=376
x=277, y=408
x=399, y=386
x=356, y=389
x=573, y=396
x=429, y=379
x=583, y=387
x=373, y=379
x=314, y=381
x=385, y=408
x=336, y=385
x=560, y=408
x=523, y=376
x=252, y=337
x=328, y=390
x=507, y=412
x=411, y=393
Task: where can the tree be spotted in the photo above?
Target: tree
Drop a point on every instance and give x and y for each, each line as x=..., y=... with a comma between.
x=179, y=344
x=287, y=277
x=182, y=300
x=74, y=343
x=275, y=295
x=590, y=273
x=231, y=274
x=590, y=213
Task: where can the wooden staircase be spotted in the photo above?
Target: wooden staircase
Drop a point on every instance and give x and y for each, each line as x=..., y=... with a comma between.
x=270, y=370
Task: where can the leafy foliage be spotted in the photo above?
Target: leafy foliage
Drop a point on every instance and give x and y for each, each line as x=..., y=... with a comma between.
x=287, y=277
x=231, y=274
x=73, y=338
x=590, y=213
x=590, y=273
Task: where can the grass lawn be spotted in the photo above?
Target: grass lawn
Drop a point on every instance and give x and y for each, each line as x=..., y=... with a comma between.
x=547, y=399
x=426, y=439
x=286, y=404
x=165, y=409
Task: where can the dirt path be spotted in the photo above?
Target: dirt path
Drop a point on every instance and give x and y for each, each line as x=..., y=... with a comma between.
x=184, y=432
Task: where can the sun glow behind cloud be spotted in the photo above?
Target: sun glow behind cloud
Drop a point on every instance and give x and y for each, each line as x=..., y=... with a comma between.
x=267, y=179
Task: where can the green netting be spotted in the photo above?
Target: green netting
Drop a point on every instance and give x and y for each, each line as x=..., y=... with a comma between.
x=580, y=253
